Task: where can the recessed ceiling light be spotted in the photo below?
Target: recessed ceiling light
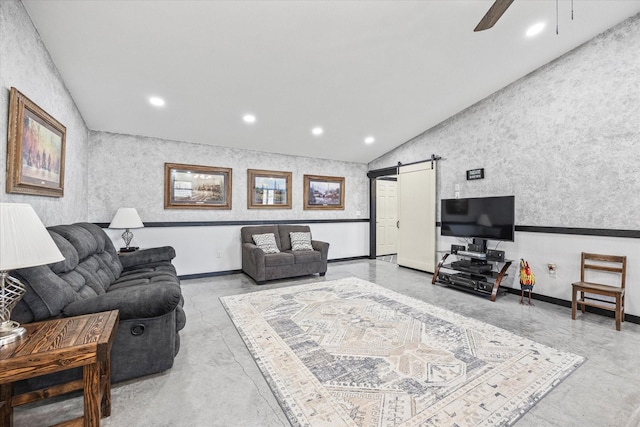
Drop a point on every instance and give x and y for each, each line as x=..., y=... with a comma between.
x=369, y=140
x=155, y=101
x=317, y=131
x=249, y=118
x=535, y=29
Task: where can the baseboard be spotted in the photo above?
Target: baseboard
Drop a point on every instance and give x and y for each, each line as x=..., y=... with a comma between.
x=557, y=301
x=210, y=274
x=355, y=258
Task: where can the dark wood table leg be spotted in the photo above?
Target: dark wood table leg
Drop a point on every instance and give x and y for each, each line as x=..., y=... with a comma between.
x=574, y=303
x=91, y=395
x=6, y=410
x=105, y=387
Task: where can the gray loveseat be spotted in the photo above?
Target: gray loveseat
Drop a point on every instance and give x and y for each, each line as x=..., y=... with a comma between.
x=286, y=263
x=143, y=285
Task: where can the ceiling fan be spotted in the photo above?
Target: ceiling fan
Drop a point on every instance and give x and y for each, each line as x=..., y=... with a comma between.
x=493, y=14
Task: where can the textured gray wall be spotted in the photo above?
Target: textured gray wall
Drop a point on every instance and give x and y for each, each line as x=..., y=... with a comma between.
x=128, y=170
x=26, y=65
x=565, y=139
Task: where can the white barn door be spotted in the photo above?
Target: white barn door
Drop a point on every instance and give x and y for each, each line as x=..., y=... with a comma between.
x=417, y=216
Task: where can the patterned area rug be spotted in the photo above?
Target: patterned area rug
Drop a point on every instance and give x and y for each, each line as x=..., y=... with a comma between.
x=351, y=353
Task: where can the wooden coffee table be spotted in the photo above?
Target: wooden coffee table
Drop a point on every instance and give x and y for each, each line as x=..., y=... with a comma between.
x=57, y=345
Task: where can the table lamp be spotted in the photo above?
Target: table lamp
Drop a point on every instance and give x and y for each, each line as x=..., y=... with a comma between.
x=127, y=218
x=24, y=242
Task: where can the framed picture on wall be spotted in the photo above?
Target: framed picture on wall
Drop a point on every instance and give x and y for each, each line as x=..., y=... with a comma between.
x=196, y=187
x=323, y=192
x=268, y=189
x=35, y=149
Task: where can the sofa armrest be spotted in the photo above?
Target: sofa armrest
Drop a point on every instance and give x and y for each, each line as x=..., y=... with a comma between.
x=253, y=261
x=134, y=302
x=322, y=247
x=147, y=256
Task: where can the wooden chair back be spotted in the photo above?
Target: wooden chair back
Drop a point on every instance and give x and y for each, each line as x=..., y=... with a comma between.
x=607, y=263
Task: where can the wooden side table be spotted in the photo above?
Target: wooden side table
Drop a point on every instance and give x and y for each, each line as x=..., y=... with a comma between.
x=57, y=345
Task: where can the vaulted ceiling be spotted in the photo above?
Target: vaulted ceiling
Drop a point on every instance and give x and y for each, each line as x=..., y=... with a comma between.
x=382, y=69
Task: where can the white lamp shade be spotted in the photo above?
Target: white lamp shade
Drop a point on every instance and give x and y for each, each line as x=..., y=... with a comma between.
x=126, y=218
x=24, y=241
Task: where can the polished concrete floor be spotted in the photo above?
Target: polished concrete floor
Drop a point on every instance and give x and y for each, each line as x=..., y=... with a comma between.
x=215, y=382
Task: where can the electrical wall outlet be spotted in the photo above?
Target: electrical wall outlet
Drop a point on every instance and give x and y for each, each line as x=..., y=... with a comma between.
x=219, y=253
x=552, y=269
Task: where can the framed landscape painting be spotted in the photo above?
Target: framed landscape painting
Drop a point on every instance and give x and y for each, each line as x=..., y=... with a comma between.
x=35, y=149
x=268, y=189
x=323, y=192
x=196, y=187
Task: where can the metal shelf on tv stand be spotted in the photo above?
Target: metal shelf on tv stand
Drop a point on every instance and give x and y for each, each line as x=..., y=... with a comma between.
x=475, y=281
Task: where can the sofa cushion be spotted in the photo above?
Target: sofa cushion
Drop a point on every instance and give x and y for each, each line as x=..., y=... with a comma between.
x=47, y=293
x=303, y=257
x=266, y=242
x=91, y=263
x=95, y=274
x=300, y=241
x=149, y=257
x=164, y=273
x=106, y=251
x=281, y=258
x=70, y=261
x=133, y=302
x=82, y=240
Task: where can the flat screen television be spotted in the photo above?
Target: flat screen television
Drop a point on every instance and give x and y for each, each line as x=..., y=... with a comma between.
x=487, y=218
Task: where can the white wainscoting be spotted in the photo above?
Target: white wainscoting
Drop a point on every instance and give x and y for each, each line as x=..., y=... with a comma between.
x=197, y=252
x=563, y=250
x=212, y=249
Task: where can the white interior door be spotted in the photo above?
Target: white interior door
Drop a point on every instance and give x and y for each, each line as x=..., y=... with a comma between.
x=386, y=217
x=417, y=216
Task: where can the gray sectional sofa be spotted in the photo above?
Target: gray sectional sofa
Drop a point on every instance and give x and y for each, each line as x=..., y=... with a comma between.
x=261, y=266
x=142, y=285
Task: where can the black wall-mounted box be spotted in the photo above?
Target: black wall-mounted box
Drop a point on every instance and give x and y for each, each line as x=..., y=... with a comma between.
x=473, y=174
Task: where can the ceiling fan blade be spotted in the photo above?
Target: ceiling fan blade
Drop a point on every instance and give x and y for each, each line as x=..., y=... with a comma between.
x=493, y=14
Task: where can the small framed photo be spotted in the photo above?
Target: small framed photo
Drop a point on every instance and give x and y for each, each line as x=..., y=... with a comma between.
x=268, y=189
x=196, y=187
x=323, y=192
x=35, y=149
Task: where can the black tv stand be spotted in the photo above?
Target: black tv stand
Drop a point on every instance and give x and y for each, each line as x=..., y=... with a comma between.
x=470, y=274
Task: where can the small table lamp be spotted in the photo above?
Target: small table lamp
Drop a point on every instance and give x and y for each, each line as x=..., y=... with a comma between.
x=127, y=218
x=24, y=242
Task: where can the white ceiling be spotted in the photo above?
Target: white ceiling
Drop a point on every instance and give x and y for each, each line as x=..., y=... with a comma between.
x=389, y=69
